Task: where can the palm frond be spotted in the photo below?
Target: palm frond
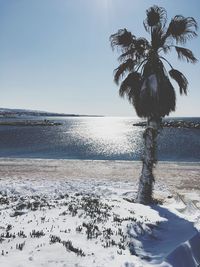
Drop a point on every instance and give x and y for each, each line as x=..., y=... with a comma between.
x=182, y=29
x=141, y=45
x=128, y=65
x=136, y=51
x=167, y=42
x=167, y=98
x=130, y=53
x=187, y=54
x=155, y=16
x=180, y=79
x=130, y=85
x=122, y=38
x=157, y=38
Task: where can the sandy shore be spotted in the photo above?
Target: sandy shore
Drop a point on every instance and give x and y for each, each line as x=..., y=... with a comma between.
x=181, y=176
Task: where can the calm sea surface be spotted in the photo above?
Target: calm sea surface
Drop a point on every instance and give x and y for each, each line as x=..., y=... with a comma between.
x=102, y=138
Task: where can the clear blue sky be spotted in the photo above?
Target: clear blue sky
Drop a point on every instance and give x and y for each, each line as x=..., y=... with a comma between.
x=55, y=54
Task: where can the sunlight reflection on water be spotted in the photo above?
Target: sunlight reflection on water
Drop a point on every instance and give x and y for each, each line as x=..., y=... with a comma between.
x=108, y=136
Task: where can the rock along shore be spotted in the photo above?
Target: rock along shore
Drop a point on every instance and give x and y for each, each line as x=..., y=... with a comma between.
x=174, y=124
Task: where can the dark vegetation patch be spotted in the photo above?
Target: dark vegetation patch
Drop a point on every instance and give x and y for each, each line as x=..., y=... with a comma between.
x=67, y=244
x=37, y=234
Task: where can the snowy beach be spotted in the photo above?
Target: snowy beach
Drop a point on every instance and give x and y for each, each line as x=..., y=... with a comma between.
x=81, y=213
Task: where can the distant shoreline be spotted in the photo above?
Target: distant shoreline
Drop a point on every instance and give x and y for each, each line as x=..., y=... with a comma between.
x=25, y=121
x=30, y=123
x=17, y=113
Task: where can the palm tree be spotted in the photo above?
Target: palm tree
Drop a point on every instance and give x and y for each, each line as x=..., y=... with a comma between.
x=143, y=78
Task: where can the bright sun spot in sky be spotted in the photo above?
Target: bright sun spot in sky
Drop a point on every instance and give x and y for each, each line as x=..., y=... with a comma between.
x=103, y=5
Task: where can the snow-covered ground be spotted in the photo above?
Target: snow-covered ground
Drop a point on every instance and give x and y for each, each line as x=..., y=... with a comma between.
x=46, y=220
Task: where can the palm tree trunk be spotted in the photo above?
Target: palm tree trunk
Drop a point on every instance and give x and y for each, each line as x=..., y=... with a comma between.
x=146, y=181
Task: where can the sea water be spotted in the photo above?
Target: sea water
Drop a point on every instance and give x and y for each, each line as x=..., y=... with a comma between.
x=96, y=138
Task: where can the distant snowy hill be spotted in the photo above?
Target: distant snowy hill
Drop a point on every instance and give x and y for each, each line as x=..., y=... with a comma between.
x=26, y=112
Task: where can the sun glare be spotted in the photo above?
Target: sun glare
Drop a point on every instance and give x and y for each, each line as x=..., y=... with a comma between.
x=104, y=4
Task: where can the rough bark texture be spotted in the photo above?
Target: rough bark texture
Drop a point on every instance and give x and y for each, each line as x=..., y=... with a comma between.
x=146, y=181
